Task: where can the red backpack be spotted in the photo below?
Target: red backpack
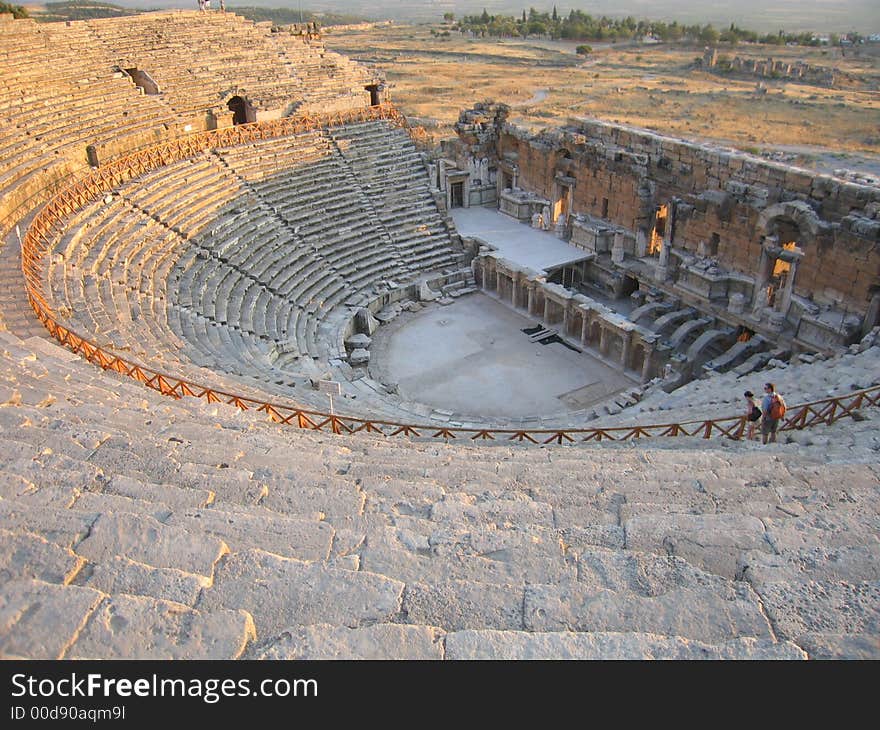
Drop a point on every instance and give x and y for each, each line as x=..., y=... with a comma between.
x=777, y=407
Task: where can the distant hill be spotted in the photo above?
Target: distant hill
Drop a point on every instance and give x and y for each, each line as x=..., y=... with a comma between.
x=832, y=16
x=87, y=9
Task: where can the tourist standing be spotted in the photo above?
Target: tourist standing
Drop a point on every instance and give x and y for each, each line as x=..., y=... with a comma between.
x=773, y=407
x=753, y=414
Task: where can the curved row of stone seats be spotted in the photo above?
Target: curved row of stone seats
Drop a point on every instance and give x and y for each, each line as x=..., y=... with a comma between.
x=135, y=526
x=249, y=253
x=806, y=378
x=48, y=117
x=192, y=56
x=392, y=171
x=329, y=81
x=318, y=199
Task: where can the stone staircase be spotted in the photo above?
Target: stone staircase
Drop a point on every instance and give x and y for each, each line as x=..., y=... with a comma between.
x=138, y=526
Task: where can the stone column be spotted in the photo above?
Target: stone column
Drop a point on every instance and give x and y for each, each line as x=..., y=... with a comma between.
x=584, y=329
x=624, y=355
x=565, y=319
x=547, y=304
x=617, y=251
x=641, y=244
x=514, y=292
x=531, y=299
x=759, y=296
x=872, y=316
x=662, y=269
x=646, y=367
x=788, y=289
x=603, y=340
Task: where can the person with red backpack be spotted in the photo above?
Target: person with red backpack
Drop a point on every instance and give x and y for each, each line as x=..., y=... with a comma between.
x=773, y=409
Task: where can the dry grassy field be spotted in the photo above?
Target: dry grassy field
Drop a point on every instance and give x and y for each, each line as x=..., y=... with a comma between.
x=658, y=87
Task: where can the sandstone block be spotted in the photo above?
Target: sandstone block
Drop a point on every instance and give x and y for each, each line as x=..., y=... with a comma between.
x=134, y=627
x=145, y=540
x=378, y=642
x=280, y=592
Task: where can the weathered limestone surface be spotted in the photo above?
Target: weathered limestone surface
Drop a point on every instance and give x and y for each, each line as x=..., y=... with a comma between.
x=508, y=645
x=503, y=557
x=40, y=620
x=457, y=605
x=61, y=526
x=832, y=530
x=851, y=564
x=294, y=538
x=24, y=555
x=281, y=592
x=711, y=541
x=840, y=646
x=121, y=575
x=145, y=540
x=127, y=626
x=711, y=615
x=823, y=607
x=380, y=641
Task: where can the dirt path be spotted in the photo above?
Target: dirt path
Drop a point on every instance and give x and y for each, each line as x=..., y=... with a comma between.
x=538, y=95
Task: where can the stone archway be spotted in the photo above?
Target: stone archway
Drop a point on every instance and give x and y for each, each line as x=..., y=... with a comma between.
x=787, y=229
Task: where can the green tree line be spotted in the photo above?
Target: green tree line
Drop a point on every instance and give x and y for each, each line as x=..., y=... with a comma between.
x=581, y=26
x=17, y=10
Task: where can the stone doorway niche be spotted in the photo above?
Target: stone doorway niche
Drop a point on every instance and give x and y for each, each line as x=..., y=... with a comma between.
x=562, y=186
x=242, y=111
x=373, y=89
x=630, y=284
x=457, y=194
x=787, y=229
x=655, y=242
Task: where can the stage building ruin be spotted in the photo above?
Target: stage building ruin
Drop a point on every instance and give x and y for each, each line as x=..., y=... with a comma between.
x=704, y=249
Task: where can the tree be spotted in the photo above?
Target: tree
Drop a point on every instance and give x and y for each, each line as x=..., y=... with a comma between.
x=709, y=35
x=448, y=17
x=583, y=50
x=555, y=15
x=524, y=16
x=16, y=10
x=484, y=18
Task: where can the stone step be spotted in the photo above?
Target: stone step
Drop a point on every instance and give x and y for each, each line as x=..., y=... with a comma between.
x=377, y=642
x=145, y=540
x=40, y=620
x=306, y=540
x=501, y=557
x=121, y=575
x=26, y=556
x=519, y=645
x=123, y=626
x=293, y=592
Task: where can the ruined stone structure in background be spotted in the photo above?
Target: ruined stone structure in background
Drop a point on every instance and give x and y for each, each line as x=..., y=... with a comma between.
x=774, y=68
x=754, y=247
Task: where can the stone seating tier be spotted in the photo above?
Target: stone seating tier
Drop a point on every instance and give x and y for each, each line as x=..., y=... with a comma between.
x=376, y=548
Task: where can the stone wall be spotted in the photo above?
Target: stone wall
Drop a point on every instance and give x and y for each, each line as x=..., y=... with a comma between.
x=723, y=203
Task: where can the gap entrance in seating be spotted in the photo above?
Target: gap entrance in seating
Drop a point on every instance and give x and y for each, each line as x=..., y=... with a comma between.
x=239, y=108
x=374, y=94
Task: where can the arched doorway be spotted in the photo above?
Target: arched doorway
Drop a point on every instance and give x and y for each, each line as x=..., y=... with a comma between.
x=239, y=109
x=786, y=233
